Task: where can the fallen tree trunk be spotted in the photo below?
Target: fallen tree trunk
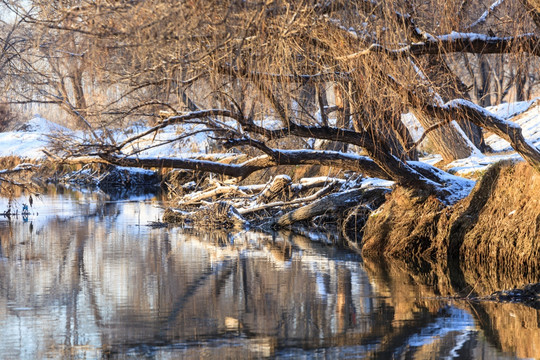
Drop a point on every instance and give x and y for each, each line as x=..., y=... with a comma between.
x=353, y=162
x=429, y=177
x=331, y=203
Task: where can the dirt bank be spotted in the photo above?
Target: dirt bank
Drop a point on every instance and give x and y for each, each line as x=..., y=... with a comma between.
x=497, y=224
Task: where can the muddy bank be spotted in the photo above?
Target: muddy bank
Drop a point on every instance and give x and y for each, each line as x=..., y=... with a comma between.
x=497, y=224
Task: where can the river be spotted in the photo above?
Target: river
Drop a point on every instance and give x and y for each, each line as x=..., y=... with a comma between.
x=83, y=276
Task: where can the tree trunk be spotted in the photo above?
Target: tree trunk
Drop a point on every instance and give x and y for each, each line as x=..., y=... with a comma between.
x=76, y=77
x=343, y=120
x=482, y=92
x=449, y=140
x=330, y=204
x=521, y=80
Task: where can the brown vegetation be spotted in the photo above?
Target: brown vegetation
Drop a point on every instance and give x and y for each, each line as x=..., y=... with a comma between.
x=498, y=224
x=250, y=62
x=281, y=82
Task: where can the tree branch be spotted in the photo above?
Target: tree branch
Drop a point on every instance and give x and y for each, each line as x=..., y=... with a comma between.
x=467, y=110
x=458, y=43
x=353, y=162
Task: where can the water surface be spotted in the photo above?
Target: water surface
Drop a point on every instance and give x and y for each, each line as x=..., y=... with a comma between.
x=84, y=277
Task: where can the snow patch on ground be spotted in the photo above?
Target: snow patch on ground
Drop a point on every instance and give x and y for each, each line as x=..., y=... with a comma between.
x=509, y=110
x=28, y=141
x=173, y=141
x=40, y=125
x=527, y=115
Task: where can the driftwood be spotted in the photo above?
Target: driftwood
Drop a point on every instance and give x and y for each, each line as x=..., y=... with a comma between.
x=233, y=206
x=329, y=187
x=217, y=190
x=279, y=186
x=331, y=203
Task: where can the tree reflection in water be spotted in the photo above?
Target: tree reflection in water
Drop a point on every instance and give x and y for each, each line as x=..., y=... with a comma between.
x=83, y=278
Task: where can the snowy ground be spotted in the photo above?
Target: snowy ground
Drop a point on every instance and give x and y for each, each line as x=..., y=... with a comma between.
x=30, y=139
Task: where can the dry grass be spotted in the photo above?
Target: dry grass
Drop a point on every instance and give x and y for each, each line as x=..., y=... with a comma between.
x=498, y=225
x=404, y=226
x=507, y=229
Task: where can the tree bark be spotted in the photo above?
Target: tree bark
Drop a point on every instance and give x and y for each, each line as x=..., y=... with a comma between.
x=453, y=140
x=506, y=130
x=446, y=140
x=329, y=204
x=279, y=186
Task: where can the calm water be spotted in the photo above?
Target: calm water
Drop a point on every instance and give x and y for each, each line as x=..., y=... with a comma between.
x=84, y=277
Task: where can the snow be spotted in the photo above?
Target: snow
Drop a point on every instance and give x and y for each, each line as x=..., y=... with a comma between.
x=509, y=110
x=457, y=186
x=462, y=103
x=28, y=141
x=526, y=114
x=184, y=146
x=40, y=125
x=414, y=126
x=454, y=36
x=482, y=19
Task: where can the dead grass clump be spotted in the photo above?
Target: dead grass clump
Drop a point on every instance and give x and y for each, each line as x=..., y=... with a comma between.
x=506, y=231
x=405, y=225
x=9, y=162
x=464, y=215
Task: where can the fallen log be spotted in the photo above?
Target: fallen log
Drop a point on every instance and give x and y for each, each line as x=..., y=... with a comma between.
x=328, y=188
x=332, y=203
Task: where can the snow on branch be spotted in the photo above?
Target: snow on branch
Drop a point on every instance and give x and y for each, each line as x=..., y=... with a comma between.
x=482, y=19
x=6, y=173
x=354, y=162
x=458, y=42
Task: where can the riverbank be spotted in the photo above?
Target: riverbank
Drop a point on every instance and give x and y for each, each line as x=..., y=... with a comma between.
x=497, y=224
